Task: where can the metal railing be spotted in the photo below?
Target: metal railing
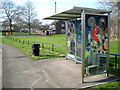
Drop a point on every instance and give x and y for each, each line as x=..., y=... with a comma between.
x=48, y=46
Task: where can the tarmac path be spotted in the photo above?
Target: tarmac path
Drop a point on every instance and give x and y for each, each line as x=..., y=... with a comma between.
x=22, y=72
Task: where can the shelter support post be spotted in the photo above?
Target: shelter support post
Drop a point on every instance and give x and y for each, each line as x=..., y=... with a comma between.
x=66, y=27
x=107, y=63
x=76, y=39
x=83, y=46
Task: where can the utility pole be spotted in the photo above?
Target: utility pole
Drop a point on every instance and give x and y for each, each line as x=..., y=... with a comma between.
x=55, y=20
x=55, y=7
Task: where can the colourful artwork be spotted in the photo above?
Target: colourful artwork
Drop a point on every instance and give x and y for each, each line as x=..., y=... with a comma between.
x=79, y=40
x=71, y=39
x=97, y=33
x=96, y=36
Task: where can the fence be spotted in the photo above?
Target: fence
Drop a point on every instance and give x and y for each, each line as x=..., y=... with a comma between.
x=51, y=47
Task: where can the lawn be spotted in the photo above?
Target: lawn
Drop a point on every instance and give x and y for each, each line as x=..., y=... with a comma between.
x=114, y=49
x=53, y=39
x=45, y=53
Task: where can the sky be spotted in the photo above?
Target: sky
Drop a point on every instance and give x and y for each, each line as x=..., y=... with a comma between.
x=45, y=8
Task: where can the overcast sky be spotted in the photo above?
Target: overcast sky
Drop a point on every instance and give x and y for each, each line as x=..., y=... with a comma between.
x=45, y=8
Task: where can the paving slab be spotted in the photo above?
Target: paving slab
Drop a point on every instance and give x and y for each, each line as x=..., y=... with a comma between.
x=22, y=72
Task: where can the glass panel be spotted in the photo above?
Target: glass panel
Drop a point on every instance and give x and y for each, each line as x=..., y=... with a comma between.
x=96, y=35
x=62, y=31
x=71, y=40
x=79, y=39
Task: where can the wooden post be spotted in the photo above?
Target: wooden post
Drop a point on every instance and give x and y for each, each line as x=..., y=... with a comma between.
x=43, y=45
x=28, y=42
x=115, y=61
x=23, y=41
x=53, y=47
x=39, y=51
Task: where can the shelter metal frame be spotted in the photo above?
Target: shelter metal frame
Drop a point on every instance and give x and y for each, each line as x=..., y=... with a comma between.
x=79, y=13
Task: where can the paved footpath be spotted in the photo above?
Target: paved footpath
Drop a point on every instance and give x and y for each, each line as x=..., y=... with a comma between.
x=19, y=71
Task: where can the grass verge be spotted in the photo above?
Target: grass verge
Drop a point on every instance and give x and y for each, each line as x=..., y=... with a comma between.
x=110, y=85
x=27, y=49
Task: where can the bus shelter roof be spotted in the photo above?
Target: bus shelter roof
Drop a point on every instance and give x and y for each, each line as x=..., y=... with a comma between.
x=76, y=13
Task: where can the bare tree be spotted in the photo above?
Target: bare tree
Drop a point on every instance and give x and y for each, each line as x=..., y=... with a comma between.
x=109, y=5
x=5, y=24
x=10, y=11
x=35, y=23
x=28, y=14
x=45, y=26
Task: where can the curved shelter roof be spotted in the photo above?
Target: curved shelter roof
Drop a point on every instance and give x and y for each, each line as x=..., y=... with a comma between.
x=75, y=13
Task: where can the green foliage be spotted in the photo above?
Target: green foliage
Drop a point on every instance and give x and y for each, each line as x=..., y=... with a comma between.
x=114, y=47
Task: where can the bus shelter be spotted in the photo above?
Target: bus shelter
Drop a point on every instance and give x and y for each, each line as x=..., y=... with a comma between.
x=87, y=38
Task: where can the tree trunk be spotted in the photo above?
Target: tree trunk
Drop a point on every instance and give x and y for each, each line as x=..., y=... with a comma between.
x=29, y=28
x=10, y=25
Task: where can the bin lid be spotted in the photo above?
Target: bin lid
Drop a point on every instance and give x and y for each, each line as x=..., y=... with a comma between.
x=35, y=44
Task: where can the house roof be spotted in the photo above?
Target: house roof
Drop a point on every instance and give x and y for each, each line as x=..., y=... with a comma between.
x=75, y=13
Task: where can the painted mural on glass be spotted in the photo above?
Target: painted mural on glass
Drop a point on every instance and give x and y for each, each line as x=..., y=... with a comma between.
x=96, y=35
x=79, y=40
x=71, y=39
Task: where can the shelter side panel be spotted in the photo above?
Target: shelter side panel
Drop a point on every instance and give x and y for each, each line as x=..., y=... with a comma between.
x=79, y=40
x=96, y=37
x=70, y=39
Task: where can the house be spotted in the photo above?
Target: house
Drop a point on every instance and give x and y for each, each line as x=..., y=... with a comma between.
x=41, y=32
x=57, y=27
